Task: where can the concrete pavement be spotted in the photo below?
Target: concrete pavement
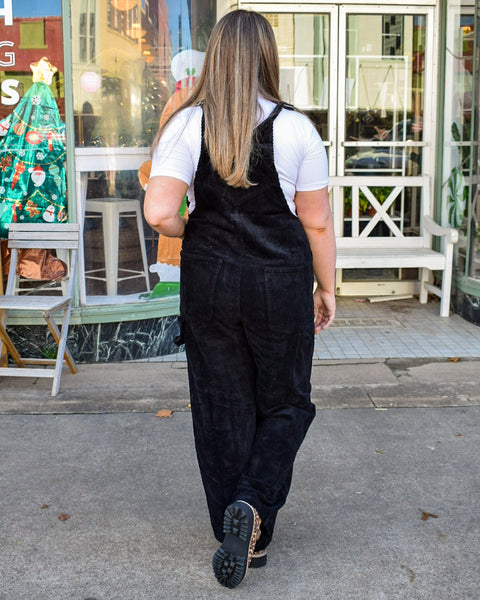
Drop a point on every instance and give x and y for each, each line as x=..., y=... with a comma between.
x=384, y=503
x=151, y=386
x=384, y=506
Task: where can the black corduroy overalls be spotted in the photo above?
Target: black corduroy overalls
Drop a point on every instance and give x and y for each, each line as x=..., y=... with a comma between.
x=248, y=321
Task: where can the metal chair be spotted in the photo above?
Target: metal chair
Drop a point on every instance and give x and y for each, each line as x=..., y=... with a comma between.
x=62, y=237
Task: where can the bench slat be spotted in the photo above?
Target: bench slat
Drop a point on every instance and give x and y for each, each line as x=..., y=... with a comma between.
x=377, y=258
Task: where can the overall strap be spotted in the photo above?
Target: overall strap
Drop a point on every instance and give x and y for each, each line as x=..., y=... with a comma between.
x=276, y=111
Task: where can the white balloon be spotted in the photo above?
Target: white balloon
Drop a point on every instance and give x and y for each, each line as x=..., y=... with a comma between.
x=187, y=59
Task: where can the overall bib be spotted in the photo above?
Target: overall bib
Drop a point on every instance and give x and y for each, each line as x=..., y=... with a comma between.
x=248, y=326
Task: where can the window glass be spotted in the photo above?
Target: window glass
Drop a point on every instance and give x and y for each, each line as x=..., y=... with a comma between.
x=303, y=46
x=384, y=93
x=461, y=208
x=32, y=114
x=130, y=57
x=35, y=28
x=474, y=264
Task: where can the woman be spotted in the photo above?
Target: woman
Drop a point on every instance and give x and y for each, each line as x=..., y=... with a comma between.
x=259, y=226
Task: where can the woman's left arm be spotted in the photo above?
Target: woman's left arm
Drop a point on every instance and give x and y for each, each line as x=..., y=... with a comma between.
x=163, y=200
x=313, y=210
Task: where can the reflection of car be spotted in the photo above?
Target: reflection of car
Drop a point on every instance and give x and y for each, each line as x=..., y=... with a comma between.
x=378, y=159
x=383, y=158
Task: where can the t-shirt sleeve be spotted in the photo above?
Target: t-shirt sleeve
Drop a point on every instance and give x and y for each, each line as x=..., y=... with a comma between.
x=173, y=155
x=313, y=169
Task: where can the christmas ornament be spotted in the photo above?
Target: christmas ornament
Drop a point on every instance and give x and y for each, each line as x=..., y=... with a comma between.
x=19, y=128
x=19, y=169
x=17, y=206
x=38, y=176
x=31, y=208
x=4, y=126
x=32, y=171
x=5, y=162
x=49, y=214
x=33, y=137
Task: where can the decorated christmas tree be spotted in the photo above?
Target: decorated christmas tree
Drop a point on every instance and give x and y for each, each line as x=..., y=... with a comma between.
x=32, y=155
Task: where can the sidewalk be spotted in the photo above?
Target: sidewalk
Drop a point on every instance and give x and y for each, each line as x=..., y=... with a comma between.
x=141, y=387
x=384, y=506
x=397, y=353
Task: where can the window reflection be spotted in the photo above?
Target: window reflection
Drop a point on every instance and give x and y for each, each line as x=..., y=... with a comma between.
x=303, y=45
x=122, y=60
x=129, y=58
x=384, y=91
x=474, y=262
x=459, y=134
x=35, y=31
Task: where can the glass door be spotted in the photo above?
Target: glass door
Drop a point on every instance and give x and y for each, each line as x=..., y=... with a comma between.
x=384, y=93
x=365, y=77
x=307, y=63
x=382, y=79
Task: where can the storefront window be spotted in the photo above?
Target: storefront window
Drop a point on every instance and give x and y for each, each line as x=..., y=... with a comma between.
x=303, y=46
x=460, y=199
x=474, y=208
x=32, y=114
x=130, y=57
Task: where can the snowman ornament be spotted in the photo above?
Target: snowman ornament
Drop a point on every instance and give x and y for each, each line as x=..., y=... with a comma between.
x=49, y=214
x=38, y=176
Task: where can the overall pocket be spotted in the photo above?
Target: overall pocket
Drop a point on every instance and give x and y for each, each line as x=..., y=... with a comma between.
x=289, y=298
x=198, y=280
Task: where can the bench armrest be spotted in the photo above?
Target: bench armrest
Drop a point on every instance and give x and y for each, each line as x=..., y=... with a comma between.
x=450, y=234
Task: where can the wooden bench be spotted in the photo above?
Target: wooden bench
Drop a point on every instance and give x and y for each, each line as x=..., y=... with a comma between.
x=398, y=235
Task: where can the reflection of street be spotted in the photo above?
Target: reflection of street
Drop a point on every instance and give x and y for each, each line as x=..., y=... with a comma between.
x=15, y=74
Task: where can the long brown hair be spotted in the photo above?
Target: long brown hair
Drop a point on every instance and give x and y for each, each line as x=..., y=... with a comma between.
x=241, y=63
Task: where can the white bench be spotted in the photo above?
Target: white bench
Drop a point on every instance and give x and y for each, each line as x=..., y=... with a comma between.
x=398, y=248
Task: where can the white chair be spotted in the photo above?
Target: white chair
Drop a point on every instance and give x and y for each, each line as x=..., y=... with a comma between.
x=62, y=237
x=111, y=209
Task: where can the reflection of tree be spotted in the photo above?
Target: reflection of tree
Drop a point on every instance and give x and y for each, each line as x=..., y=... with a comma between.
x=458, y=137
x=458, y=191
x=153, y=102
x=201, y=34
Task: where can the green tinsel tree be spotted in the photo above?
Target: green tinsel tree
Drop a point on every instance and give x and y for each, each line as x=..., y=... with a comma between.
x=32, y=155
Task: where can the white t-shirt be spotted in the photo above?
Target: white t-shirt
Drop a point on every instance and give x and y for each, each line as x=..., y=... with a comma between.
x=299, y=154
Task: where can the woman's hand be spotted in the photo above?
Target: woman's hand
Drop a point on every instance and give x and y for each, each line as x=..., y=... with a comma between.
x=324, y=309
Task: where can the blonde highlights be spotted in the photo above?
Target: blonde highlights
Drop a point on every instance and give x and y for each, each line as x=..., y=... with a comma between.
x=241, y=64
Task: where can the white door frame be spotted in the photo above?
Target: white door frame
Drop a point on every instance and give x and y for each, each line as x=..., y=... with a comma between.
x=386, y=287
x=429, y=110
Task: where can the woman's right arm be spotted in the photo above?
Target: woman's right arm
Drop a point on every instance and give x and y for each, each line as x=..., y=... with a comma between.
x=163, y=200
x=313, y=210
x=174, y=162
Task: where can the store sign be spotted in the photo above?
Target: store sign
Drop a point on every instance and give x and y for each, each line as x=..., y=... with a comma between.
x=7, y=58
